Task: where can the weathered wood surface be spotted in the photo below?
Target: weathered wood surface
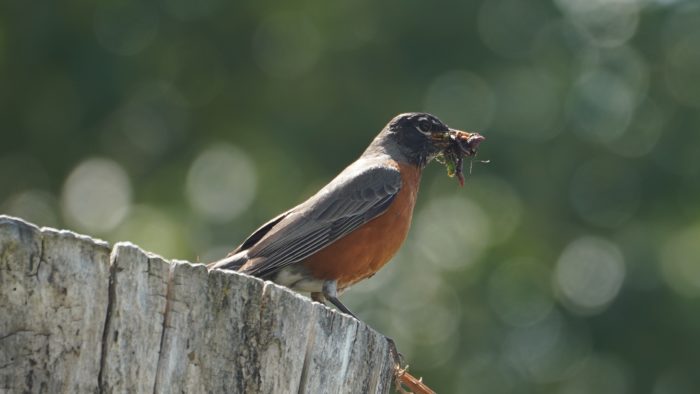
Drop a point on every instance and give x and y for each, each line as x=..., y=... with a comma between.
x=79, y=316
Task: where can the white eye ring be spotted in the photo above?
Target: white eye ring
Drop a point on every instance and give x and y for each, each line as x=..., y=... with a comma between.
x=424, y=126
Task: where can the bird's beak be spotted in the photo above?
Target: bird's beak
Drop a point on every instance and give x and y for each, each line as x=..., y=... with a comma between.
x=441, y=139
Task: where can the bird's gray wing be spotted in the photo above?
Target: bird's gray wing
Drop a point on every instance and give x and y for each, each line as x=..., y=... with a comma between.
x=355, y=197
x=258, y=234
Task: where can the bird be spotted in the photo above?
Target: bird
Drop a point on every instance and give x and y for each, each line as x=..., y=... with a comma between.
x=355, y=224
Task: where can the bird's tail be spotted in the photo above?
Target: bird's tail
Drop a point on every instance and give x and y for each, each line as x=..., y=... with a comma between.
x=232, y=263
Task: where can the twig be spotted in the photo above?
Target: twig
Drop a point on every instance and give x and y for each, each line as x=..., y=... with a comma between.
x=416, y=386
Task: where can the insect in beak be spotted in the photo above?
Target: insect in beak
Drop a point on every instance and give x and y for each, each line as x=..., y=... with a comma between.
x=456, y=145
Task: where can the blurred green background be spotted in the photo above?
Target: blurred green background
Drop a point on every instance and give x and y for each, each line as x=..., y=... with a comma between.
x=569, y=264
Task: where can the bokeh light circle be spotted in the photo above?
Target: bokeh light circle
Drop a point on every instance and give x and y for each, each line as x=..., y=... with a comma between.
x=608, y=23
x=601, y=105
x=589, y=274
x=625, y=63
x=96, y=195
x=221, y=183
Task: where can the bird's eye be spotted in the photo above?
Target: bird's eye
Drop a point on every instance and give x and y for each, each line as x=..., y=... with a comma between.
x=424, y=126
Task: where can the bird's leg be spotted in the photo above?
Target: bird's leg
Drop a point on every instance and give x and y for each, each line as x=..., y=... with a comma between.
x=330, y=292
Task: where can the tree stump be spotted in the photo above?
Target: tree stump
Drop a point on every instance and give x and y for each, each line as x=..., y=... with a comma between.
x=79, y=316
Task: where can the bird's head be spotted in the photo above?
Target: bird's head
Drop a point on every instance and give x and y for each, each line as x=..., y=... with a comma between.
x=421, y=136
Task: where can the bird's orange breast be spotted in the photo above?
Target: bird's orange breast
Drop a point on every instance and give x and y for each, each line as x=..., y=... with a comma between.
x=364, y=251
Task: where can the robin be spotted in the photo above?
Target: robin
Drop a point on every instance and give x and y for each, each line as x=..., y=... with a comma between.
x=354, y=225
